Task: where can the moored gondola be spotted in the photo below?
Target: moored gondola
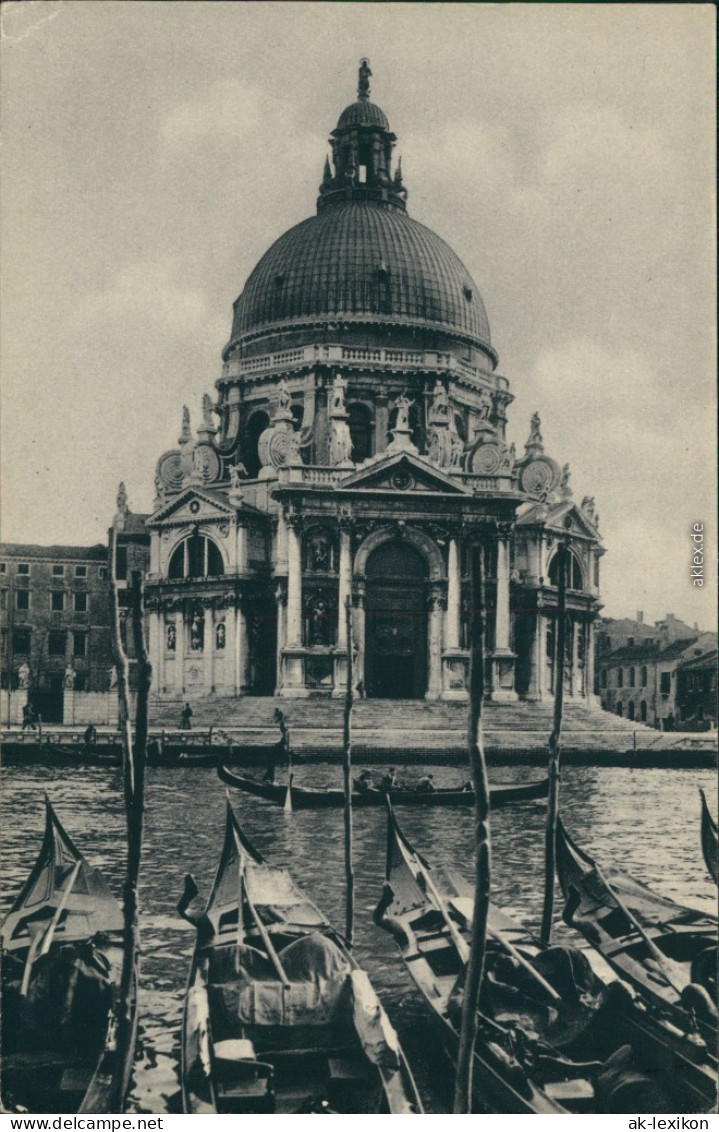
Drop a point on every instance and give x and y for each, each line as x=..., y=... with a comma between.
x=278, y=1016
x=552, y=1038
x=62, y=944
x=308, y=798
x=710, y=841
x=667, y=952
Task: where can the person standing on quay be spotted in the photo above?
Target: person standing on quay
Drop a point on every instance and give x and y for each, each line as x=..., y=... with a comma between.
x=186, y=718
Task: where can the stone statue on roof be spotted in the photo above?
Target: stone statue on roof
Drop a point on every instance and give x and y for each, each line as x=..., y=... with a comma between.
x=403, y=406
x=207, y=411
x=364, y=77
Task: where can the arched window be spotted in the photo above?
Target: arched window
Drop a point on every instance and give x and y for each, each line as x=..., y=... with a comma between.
x=196, y=557
x=256, y=425
x=620, y=677
x=632, y=677
x=396, y=560
x=630, y=709
x=620, y=709
x=575, y=575
x=644, y=676
x=360, y=424
x=643, y=711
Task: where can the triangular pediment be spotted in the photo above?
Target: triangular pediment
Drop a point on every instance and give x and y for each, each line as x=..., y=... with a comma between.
x=560, y=517
x=193, y=505
x=402, y=472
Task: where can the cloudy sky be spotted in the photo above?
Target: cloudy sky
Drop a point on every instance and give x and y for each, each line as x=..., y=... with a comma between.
x=152, y=152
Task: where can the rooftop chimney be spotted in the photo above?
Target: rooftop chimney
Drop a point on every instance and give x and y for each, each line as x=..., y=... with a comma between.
x=640, y=616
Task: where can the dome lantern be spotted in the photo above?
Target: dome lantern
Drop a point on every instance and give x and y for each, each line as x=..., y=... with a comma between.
x=362, y=145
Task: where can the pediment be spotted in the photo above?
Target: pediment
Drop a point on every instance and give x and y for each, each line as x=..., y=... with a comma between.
x=402, y=472
x=193, y=505
x=562, y=514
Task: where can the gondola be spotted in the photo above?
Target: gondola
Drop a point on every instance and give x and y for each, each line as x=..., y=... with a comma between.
x=710, y=841
x=278, y=1016
x=62, y=944
x=552, y=1038
x=306, y=798
x=80, y=754
x=667, y=952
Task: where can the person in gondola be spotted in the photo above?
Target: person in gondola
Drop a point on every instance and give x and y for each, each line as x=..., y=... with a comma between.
x=389, y=780
x=426, y=784
x=186, y=718
x=90, y=736
x=269, y=775
x=28, y=717
x=364, y=783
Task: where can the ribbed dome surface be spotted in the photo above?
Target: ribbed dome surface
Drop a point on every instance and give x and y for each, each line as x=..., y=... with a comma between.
x=360, y=259
x=363, y=113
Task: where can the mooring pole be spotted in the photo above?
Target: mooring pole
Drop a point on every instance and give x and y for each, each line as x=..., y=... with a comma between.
x=550, y=840
x=347, y=775
x=482, y=864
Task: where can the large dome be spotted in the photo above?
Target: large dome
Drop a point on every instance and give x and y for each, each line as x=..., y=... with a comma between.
x=361, y=261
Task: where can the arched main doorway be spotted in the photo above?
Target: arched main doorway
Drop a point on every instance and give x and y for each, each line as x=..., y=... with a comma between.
x=396, y=623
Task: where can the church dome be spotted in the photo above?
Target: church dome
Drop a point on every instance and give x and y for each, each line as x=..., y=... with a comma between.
x=363, y=113
x=361, y=261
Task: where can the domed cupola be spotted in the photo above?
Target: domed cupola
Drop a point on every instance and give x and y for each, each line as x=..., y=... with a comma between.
x=362, y=145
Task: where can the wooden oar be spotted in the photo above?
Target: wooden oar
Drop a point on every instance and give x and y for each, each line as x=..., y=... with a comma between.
x=61, y=905
x=265, y=935
x=550, y=838
x=35, y=930
x=666, y=965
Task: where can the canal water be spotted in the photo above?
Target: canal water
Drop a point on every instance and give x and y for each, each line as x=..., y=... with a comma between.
x=646, y=821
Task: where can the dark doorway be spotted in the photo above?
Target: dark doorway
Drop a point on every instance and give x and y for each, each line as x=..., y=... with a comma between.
x=48, y=700
x=396, y=623
x=262, y=636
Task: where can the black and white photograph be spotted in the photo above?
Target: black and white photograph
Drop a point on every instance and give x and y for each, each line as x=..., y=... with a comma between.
x=358, y=607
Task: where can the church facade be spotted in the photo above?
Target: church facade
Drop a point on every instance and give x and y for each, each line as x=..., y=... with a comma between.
x=354, y=450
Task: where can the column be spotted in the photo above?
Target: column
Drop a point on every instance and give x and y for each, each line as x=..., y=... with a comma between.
x=344, y=593
x=437, y=605
x=156, y=651
x=293, y=680
x=358, y=628
x=238, y=635
x=501, y=624
x=541, y=655
x=210, y=649
x=180, y=652
x=454, y=589
x=294, y=587
x=345, y=586
x=381, y=423
x=589, y=661
x=502, y=656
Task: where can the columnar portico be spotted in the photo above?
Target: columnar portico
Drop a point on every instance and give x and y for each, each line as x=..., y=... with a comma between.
x=355, y=450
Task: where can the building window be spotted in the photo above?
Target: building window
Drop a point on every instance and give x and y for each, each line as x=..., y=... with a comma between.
x=121, y=563
x=360, y=426
x=22, y=599
x=575, y=575
x=21, y=638
x=3, y=567
x=256, y=425
x=643, y=711
x=630, y=642
x=79, y=644
x=23, y=568
x=81, y=571
x=57, y=601
x=80, y=602
x=644, y=676
x=102, y=573
x=665, y=683
x=58, y=571
x=632, y=677
x=196, y=557
x=3, y=599
x=620, y=709
x=620, y=677
x=630, y=709
x=56, y=641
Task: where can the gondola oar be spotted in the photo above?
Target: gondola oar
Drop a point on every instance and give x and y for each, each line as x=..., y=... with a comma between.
x=550, y=840
x=480, y=912
x=347, y=779
x=61, y=905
